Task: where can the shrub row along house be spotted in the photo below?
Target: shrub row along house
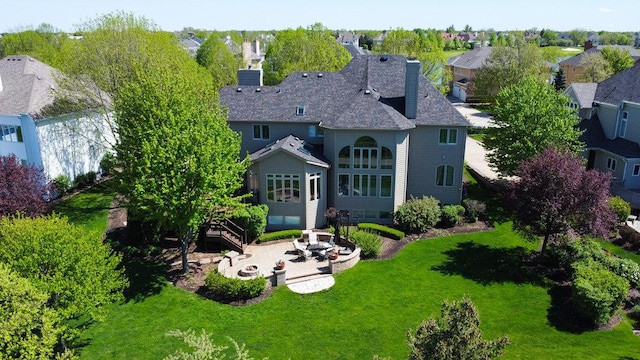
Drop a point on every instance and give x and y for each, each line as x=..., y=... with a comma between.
x=61, y=143
x=364, y=139
x=611, y=119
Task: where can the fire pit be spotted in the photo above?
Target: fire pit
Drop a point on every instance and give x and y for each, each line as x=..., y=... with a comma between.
x=250, y=270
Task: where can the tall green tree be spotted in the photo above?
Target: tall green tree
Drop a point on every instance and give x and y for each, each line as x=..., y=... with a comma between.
x=180, y=160
x=30, y=329
x=560, y=80
x=455, y=335
x=44, y=43
x=595, y=68
x=73, y=267
x=617, y=58
x=216, y=57
x=530, y=116
x=311, y=49
x=579, y=36
x=506, y=66
x=401, y=42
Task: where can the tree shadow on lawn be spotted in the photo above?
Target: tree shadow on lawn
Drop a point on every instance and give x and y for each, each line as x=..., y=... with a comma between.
x=146, y=272
x=487, y=265
x=561, y=314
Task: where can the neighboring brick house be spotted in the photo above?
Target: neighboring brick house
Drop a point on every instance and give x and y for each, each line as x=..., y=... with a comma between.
x=70, y=144
x=364, y=139
x=573, y=69
x=612, y=134
x=464, y=68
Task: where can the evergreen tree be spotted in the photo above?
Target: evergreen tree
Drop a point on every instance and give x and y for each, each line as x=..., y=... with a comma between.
x=560, y=81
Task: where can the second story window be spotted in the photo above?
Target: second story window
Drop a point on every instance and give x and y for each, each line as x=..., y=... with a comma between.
x=10, y=133
x=261, y=132
x=448, y=136
x=611, y=164
x=623, y=124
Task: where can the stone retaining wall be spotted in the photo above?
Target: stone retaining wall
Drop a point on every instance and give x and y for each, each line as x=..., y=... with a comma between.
x=344, y=262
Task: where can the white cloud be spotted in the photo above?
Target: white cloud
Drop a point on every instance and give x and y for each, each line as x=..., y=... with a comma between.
x=605, y=10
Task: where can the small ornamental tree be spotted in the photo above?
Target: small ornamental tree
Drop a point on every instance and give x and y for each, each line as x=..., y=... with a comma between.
x=23, y=188
x=554, y=193
x=560, y=82
x=455, y=336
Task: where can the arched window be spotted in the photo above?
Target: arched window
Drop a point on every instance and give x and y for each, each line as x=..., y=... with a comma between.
x=386, y=159
x=444, y=175
x=365, y=153
x=344, y=157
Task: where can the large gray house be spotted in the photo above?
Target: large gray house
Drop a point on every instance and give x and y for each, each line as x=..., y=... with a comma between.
x=612, y=133
x=364, y=139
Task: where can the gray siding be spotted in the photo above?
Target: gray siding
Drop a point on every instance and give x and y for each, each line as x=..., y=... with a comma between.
x=425, y=155
x=283, y=164
x=608, y=116
x=633, y=121
x=277, y=131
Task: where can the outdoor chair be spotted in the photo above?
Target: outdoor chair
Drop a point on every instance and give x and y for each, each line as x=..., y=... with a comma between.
x=302, y=251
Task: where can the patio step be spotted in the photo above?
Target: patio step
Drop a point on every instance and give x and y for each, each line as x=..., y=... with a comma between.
x=307, y=277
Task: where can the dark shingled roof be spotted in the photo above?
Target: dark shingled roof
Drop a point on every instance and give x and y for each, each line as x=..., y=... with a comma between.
x=26, y=85
x=367, y=94
x=623, y=86
x=585, y=93
x=473, y=59
x=294, y=146
x=594, y=137
x=575, y=60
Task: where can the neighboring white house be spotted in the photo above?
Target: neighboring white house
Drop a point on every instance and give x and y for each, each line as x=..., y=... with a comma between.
x=68, y=144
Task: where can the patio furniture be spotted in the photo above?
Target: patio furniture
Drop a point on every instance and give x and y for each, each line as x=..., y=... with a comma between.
x=302, y=251
x=313, y=239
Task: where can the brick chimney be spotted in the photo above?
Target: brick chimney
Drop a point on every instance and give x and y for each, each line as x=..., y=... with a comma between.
x=411, y=86
x=588, y=45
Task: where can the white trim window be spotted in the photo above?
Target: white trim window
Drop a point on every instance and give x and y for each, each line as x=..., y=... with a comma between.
x=260, y=132
x=448, y=137
x=315, y=186
x=365, y=185
x=636, y=169
x=623, y=124
x=11, y=133
x=283, y=188
x=444, y=175
x=611, y=164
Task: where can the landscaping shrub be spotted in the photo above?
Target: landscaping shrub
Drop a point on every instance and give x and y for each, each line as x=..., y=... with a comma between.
x=252, y=218
x=597, y=292
x=382, y=230
x=369, y=243
x=451, y=215
x=108, y=163
x=91, y=177
x=62, y=184
x=418, y=215
x=620, y=207
x=80, y=181
x=625, y=268
x=567, y=252
x=282, y=234
x=234, y=289
x=474, y=208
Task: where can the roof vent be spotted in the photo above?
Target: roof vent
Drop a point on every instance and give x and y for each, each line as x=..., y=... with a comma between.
x=305, y=74
x=258, y=89
x=239, y=90
x=367, y=91
x=320, y=75
x=384, y=58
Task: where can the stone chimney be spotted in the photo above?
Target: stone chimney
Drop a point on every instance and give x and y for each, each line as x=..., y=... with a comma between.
x=246, y=53
x=256, y=46
x=588, y=45
x=411, y=86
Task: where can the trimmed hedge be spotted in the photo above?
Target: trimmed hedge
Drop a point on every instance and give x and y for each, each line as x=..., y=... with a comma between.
x=620, y=207
x=630, y=236
x=278, y=235
x=234, y=289
x=418, y=215
x=451, y=215
x=382, y=230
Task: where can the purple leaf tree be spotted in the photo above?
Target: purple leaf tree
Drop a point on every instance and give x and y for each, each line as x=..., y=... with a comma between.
x=555, y=193
x=23, y=188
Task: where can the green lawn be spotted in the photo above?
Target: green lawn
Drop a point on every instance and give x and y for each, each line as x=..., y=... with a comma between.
x=370, y=309
x=89, y=208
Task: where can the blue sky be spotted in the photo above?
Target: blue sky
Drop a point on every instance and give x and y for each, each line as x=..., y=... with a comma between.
x=610, y=15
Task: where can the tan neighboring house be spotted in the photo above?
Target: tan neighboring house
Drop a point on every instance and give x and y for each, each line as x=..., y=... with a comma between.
x=573, y=69
x=464, y=68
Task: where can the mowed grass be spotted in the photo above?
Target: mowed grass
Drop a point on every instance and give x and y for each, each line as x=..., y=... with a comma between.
x=369, y=310
x=89, y=208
